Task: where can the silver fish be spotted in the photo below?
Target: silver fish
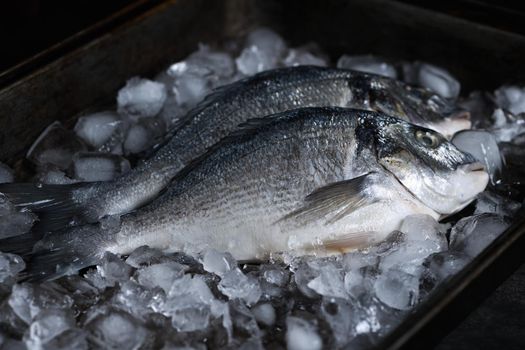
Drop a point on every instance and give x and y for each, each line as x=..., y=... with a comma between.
x=314, y=179
x=263, y=94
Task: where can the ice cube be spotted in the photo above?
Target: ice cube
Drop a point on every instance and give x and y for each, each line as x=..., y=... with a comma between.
x=55, y=177
x=301, y=56
x=506, y=125
x=137, y=140
x=243, y=320
x=28, y=300
x=267, y=41
x=10, y=266
x=264, y=313
x=489, y=202
x=273, y=279
x=190, y=304
x=73, y=338
x=143, y=135
x=189, y=89
x=359, y=281
x=193, y=78
x=432, y=77
x=373, y=316
x=11, y=324
x=302, y=335
x=160, y=275
x=13, y=221
x=423, y=237
x=338, y=314
x=252, y=61
x=422, y=227
x=113, y=269
x=358, y=259
x=206, y=63
x=190, y=315
x=438, y=80
x=473, y=234
x=302, y=276
x=397, y=289
x=234, y=284
x=141, y=98
x=92, y=166
x=329, y=283
x=144, y=256
x=275, y=274
x=135, y=298
x=56, y=145
x=6, y=174
x=172, y=112
x=47, y=326
x=84, y=293
x=263, y=50
x=480, y=105
x=511, y=98
x=445, y=264
x=368, y=64
x=483, y=146
x=217, y=262
x=119, y=330
x=96, y=129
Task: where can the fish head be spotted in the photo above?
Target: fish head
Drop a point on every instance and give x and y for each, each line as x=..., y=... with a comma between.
x=420, y=106
x=435, y=171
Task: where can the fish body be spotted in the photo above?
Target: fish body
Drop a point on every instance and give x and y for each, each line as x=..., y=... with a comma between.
x=220, y=114
x=312, y=180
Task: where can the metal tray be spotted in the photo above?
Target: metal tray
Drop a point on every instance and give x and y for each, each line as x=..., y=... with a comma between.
x=88, y=70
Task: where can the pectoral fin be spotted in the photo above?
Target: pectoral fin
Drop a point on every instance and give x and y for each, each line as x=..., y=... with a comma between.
x=333, y=201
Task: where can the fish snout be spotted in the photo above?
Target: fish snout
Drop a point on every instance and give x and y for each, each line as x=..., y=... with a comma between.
x=460, y=115
x=472, y=167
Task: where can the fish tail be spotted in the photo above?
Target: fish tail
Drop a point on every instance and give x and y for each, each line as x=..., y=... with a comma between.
x=20, y=245
x=58, y=253
x=57, y=206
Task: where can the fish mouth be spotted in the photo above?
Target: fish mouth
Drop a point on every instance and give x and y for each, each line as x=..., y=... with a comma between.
x=473, y=167
x=460, y=115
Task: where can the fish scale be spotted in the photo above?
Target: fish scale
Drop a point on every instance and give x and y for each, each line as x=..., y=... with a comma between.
x=307, y=181
x=219, y=115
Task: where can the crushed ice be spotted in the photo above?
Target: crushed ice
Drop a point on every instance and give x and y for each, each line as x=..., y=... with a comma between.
x=154, y=299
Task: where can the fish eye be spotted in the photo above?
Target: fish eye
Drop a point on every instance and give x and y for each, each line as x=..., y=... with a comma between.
x=427, y=139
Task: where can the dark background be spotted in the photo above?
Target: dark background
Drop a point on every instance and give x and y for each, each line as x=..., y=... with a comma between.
x=28, y=27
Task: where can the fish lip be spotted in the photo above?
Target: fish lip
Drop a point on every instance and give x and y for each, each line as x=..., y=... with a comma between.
x=459, y=115
x=473, y=167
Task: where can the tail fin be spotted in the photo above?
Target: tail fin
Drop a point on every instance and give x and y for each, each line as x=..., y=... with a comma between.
x=56, y=205
x=20, y=245
x=59, y=253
